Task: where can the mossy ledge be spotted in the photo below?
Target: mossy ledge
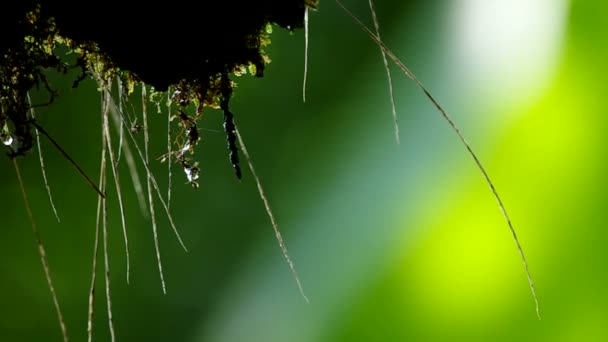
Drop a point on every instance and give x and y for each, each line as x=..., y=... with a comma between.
x=191, y=48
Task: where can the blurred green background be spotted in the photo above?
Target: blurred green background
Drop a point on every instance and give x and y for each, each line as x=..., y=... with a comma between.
x=392, y=243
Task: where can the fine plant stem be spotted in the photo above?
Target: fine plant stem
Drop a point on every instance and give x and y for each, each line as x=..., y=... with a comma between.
x=455, y=128
x=42, y=253
x=273, y=221
x=388, y=72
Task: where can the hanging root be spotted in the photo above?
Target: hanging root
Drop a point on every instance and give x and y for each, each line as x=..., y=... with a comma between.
x=106, y=261
x=230, y=129
x=169, y=166
x=305, y=54
x=121, y=130
x=91, y=311
x=149, y=187
x=118, y=115
x=102, y=204
x=42, y=253
x=275, y=226
x=42, y=168
x=124, y=147
x=388, y=72
x=100, y=200
x=455, y=128
x=114, y=164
